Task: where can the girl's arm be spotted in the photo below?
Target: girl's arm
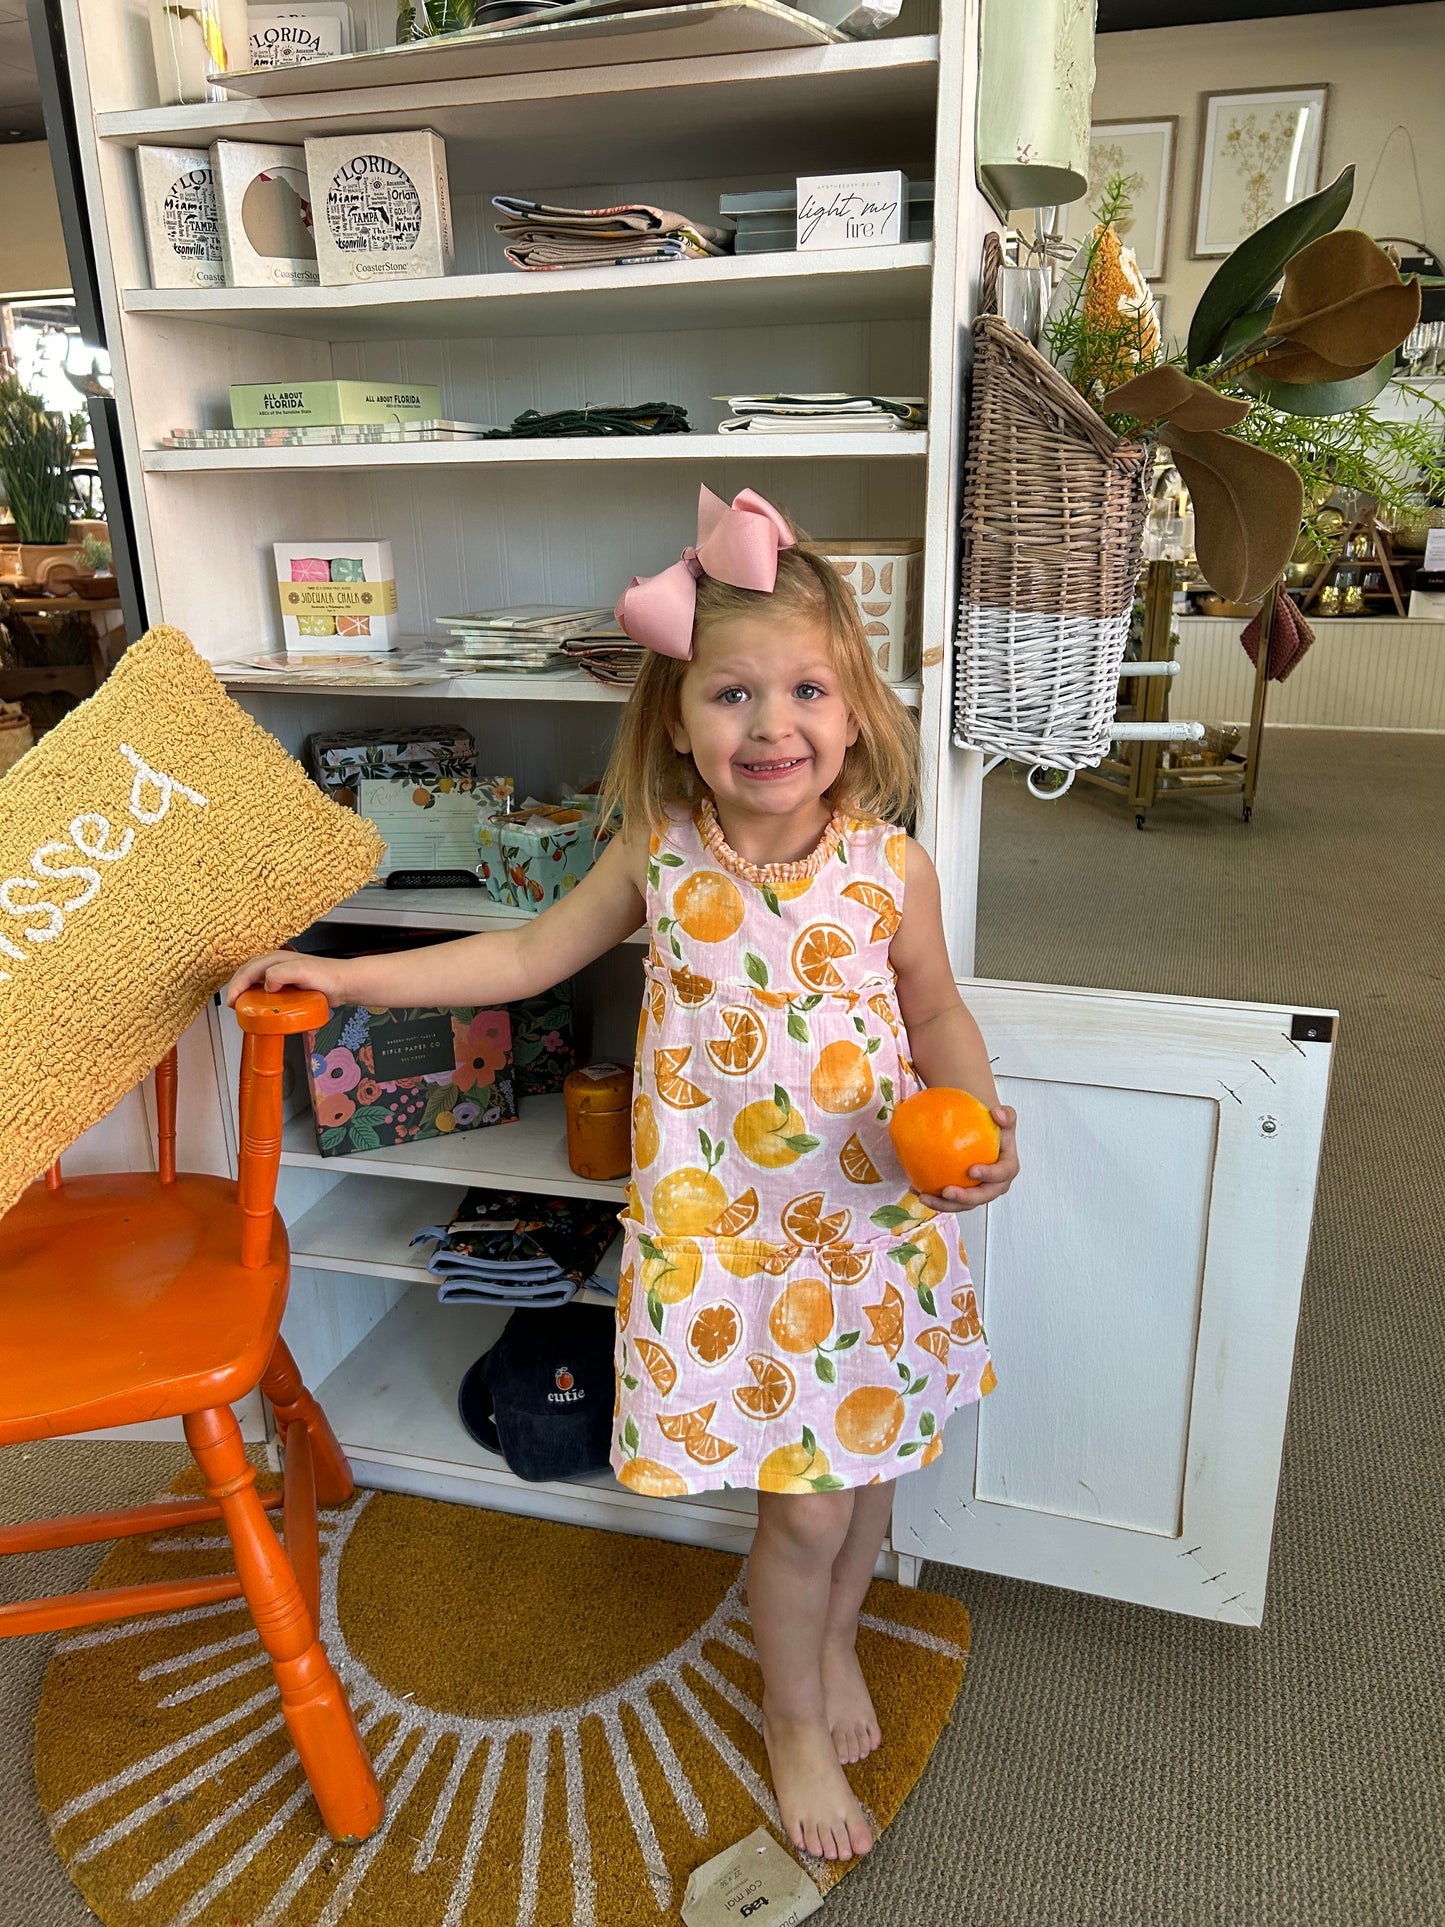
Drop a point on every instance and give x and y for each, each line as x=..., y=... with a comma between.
x=944, y=1042
x=493, y=967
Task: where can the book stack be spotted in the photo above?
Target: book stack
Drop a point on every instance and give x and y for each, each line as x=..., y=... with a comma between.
x=310, y=414
x=608, y=654
x=817, y=414
x=512, y=1248
x=527, y=640
x=633, y=235
x=334, y=435
x=766, y=221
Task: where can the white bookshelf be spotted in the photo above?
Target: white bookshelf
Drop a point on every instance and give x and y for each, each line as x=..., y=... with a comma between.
x=478, y=524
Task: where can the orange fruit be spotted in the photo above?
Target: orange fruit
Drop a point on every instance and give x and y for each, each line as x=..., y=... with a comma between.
x=938, y=1134
x=714, y=1333
x=805, y=1224
x=645, y=1139
x=746, y=1042
x=792, y=1468
x=761, y=1131
x=886, y=1319
x=869, y=1420
x=842, y=1079
x=793, y=888
x=886, y=914
x=690, y=990
x=949, y=1382
x=935, y=1340
x=658, y=1361
x=844, y=1264
x=882, y=1008
x=771, y=999
x=656, y=1481
x=672, y=1087
x=708, y=1450
x=627, y=1279
x=803, y=1316
x=774, y=1391
x=966, y=1326
x=987, y=1382
x=932, y=1449
x=930, y=1266
x=894, y=850
x=707, y=906
x=654, y=1000
x=685, y=1202
x=753, y=1258
x=672, y=1274
x=740, y=1216
x=681, y=1426
x=856, y=1165
x=816, y=952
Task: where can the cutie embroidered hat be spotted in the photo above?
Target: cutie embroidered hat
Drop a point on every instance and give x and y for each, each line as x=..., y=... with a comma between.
x=542, y=1396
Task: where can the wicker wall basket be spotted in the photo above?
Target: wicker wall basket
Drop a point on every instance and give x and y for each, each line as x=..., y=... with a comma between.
x=1053, y=520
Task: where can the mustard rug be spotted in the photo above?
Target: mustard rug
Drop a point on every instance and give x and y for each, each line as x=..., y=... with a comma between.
x=565, y=1723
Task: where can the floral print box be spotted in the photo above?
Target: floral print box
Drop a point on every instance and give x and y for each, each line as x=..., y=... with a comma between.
x=390, y=1076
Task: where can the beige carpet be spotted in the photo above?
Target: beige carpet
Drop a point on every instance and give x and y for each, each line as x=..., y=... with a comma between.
x=1107, y=1766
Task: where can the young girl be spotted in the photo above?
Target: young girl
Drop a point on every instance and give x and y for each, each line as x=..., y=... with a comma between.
x=792, y=1317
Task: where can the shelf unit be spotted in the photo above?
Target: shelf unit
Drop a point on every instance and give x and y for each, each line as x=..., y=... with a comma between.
x=486, y=523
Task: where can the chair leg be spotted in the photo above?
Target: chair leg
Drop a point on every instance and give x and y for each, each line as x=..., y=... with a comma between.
x=292, y=1403
x=316, y=1708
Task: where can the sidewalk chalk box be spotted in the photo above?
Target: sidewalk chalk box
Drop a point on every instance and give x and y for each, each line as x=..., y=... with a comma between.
x=332, y=404
x=383, y=211
x=337, y=597
x=178, y=198
x=263, y=207
x=382, y=1077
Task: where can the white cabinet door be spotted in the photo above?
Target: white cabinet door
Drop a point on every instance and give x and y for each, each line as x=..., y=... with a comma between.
x=1140, y=1287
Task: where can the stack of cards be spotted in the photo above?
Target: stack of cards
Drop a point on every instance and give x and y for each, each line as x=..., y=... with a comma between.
x=520, y=641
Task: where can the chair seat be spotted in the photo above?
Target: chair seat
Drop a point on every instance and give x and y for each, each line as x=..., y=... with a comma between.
x=123, y=1299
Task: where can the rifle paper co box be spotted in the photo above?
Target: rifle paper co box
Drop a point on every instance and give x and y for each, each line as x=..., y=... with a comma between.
x=179, y=199
x=263, y=205
x=337, y=598
x=383, y=212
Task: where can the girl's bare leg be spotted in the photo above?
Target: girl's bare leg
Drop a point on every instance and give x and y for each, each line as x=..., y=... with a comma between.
x=790, y=1574
x=849, y=1705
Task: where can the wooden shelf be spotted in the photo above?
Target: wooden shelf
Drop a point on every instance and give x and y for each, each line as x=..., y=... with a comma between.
x=748, y=291
x=543, y=453
x=459, y=910
x=528, y=1155
x=366, y=1229
x=565, y=686
x=793, y=110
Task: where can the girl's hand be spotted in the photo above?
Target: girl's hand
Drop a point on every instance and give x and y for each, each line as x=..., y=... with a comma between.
x=280, y=968
x=993, y=1179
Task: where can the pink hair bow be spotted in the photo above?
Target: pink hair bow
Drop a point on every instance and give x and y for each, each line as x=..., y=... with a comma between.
x=737, y=545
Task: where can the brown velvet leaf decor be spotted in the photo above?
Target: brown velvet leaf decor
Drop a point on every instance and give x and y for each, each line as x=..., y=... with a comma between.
x=1292, y=361
x=1343, y=300
x=1247, y=509
x=1168, y=391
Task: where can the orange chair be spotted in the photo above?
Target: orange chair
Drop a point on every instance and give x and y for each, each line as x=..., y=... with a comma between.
x=143, y=1296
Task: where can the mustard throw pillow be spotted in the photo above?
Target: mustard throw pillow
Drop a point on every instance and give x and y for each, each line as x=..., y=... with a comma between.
x=149, y=844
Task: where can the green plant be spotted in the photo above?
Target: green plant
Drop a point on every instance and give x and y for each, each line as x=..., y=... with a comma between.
x=37, y=451
x=96, y=554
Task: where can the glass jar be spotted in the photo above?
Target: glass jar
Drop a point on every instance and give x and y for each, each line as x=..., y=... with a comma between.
x=191, y=41
x=597, y=1101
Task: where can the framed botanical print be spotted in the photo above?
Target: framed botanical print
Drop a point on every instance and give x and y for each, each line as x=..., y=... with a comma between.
x=1258, y=154
x=1141, y=154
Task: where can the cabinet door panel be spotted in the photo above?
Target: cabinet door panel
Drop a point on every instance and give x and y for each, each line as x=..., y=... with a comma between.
x=1140, y=1287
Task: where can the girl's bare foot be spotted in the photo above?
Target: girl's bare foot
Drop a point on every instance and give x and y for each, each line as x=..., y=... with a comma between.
x=819, y=1812
x=849, y=1705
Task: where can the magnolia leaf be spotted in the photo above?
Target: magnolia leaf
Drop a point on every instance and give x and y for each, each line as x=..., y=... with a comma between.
x=1246, y=276
x=1168, y=391
x=1247, y=509
x=1323, y=397
x=1290, y=361
x=1246, y=329
x=1343, y=298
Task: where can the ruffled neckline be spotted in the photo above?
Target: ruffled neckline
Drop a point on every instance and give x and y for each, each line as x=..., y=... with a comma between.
x=710, y=830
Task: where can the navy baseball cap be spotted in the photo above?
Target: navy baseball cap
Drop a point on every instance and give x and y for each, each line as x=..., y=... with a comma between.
x=543, y=1395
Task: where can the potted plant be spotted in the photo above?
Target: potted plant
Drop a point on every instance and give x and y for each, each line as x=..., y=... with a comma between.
x=37, y=451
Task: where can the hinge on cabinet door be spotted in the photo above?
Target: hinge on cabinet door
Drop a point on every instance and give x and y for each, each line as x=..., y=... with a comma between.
x=1311, y=1030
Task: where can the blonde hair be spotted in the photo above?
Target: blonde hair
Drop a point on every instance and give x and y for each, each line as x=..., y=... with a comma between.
x=647, y=777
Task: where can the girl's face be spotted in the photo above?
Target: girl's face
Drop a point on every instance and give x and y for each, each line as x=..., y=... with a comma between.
x=762, y=715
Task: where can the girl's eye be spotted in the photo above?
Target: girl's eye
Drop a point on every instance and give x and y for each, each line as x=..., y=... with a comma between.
x=733, y=695
x=808, y=690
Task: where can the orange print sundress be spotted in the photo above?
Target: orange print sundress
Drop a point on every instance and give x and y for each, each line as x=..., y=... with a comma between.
x=791, y=1317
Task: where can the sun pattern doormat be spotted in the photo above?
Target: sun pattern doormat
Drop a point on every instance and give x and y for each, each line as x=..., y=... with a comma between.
x=565, y=1723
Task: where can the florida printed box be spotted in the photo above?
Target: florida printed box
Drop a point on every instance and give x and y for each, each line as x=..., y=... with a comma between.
x=382, y=206
x=394, y=1076
x=263, y=207
x=332, y=404
x=337, y=598
x=178, y=197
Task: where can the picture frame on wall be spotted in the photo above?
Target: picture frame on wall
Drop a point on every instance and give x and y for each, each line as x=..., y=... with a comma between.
x=1259, y=152
x=1142, y=151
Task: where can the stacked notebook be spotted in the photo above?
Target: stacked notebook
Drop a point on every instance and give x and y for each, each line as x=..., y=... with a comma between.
x=317, y=435
x=526, y=640
x=767, y=221
x=539, y=236
x=816, y=414
x=607, y=654
x=512, y=1248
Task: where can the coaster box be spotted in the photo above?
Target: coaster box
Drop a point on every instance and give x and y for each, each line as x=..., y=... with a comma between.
x=263, y=207
x=886, y=577
x=383, y=210
x=396, y=1076
x=178, y=198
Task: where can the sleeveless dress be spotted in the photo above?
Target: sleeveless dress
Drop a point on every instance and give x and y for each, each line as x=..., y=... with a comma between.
x=791, y=1318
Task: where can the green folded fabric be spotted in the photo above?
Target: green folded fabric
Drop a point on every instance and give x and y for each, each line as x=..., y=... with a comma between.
x=647, y=418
